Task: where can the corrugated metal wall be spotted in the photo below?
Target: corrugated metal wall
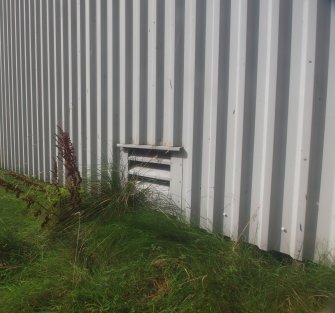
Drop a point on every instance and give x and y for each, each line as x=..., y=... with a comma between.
x=246, y=87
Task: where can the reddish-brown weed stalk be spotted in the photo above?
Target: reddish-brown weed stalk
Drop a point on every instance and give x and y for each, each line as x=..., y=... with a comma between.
x=67, y=156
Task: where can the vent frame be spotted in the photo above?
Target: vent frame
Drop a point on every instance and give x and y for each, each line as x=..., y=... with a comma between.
x=156, y=167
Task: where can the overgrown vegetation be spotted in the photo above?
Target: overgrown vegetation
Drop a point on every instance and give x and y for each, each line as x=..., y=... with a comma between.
x=110, y=248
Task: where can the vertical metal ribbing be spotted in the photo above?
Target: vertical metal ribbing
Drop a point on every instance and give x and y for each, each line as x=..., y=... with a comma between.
x=151, y=61
x=7, y=91
x=143, y=95
x=7, y=86
x=235, y=117
x=16, y=112
x=60, y=43
x=122, y=70
x=10, y=89
x=129, y=69
x=24, y=86
x=52, y=77
x=250, y=91
x=87, y=86
x=40, y=93
x=5, y=81
x=280, y=124
x=317, y=145
x=179, y=37
x=136, y=72
x=44, y=9
x=299, y=126
x=34, y=88
x=20, y=88
x=66, y=64
x=73, y=73
x=110, y=104
x=210, y=113
x=2, y=144
x=92, y=33
x=264, y=122
x=169, y=71
x=199, y=91
x=29, y=87
x=160, y=72
x=78, y=54
x=188, y=97
x=74, y=57
x=83, y=98
x=98, y=85
x=58, y=66
x=103, y=126
x=10, y=141
x=325, y=225
x=77, y=58
x=222, y=99
x=116, y=76
x=69, y=65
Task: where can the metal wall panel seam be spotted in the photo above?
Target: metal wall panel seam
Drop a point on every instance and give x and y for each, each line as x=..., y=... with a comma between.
x=88, y=103
x=55, y=74
x=110, y=104
x=92, y=33
x=9, y=88
x=136, y=72
x=70, y=104
x=12, y=110
x=19, y=86
x=325, y=245
x=210, y=114
x=264, y=122
x=36, y=103
x=47, y=117
x=2, y=143
x=188, y=100
x=16, y=91
x=98, y=81
x=169, y=72
x=299, y=127
x=42, y=111
x=25, y=88
x=122, y=73
x=33, y=83
x=79, y=117
x=3, y=88
x=29, y=87
x=20, y=101
x=39, y=91
x=235, y=118
x=6, y=80
x=151, y=91
x=22, y=141
x=61, y=43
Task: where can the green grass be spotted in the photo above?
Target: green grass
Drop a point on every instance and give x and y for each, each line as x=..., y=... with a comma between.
x=145, y=261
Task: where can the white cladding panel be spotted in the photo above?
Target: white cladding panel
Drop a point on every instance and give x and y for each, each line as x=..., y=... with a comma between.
x=246, y=87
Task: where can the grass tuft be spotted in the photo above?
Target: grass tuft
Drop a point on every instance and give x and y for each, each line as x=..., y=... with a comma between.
x=119, y=255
